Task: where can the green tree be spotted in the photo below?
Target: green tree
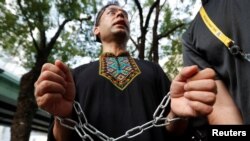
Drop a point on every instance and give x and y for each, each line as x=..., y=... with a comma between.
x=159, y=31
x=39, y=31
x=173, y=49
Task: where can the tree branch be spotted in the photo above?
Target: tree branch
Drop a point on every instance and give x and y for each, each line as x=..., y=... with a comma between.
x=29, y=24
x=137, y=3
x=133, y=41
x=165, y=34
x=41, y=29
x=60, y=29
x=163, y=5
x=150, y=13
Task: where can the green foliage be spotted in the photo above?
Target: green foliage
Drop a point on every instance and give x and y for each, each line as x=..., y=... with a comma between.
x=172, y=49
x=17, y=22
x=175, y=62
x=69, y=8
x=26, y=25
x=148, y=3
x=169, y=20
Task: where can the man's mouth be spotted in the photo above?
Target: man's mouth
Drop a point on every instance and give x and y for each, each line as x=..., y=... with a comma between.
x=121, y=22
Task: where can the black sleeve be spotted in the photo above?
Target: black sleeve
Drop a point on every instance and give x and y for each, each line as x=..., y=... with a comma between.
x=191, y=54
x=50, y=130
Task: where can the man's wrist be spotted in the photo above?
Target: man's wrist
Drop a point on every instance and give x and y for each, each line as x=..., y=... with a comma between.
x=177, y=125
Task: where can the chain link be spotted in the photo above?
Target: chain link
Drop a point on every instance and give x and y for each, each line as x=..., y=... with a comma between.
x=96, y=132
x=82, y=127
x=80, y=114
x=246, y=56
x=81, y=132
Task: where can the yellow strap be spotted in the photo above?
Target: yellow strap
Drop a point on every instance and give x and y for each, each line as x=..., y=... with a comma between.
x=214, y=29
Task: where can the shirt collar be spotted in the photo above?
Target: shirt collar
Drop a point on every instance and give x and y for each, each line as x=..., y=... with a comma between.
x=110, y=54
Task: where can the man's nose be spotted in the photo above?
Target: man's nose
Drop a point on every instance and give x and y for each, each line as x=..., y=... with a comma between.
x=120, y=14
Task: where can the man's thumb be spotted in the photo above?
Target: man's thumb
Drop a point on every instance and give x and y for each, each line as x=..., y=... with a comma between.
x=186, y=73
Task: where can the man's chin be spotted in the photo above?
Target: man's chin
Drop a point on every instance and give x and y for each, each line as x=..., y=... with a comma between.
x=121, y=29
x=122, y=35
x=121, y=32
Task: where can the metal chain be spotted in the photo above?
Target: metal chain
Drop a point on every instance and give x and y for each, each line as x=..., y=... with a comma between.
x=82, y=127
x=246, y=56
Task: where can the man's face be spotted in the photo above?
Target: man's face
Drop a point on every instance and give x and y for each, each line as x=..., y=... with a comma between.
x=113, y=24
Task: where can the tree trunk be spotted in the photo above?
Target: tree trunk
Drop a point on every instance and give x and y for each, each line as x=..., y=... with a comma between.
x=155, y=44
x=26, y=109
x=26, y=104
x=142, y=47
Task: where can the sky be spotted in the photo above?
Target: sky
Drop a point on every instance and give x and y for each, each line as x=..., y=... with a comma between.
x=11, y=65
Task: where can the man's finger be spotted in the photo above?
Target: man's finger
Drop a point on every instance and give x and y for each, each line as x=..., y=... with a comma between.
x=201, y=96
x=201, y=85
x=65, y=69
x=201, y=109
x=177, y=89
x=49, y=87
x=207, y=73
x=50, y=76
x=53, y=68
x=70, y=90
x=186, y=73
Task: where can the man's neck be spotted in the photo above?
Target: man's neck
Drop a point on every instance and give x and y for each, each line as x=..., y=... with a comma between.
x=114, y=48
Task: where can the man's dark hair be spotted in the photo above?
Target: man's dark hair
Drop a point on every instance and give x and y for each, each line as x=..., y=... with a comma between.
x=99, y=14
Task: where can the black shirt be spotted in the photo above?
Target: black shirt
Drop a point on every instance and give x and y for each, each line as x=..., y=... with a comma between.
x=114, y=109
x=201, y=47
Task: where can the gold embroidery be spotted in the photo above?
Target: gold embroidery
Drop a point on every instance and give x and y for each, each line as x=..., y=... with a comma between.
x=120, y=70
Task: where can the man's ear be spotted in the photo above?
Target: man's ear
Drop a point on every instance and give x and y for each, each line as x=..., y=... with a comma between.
x=96, y=31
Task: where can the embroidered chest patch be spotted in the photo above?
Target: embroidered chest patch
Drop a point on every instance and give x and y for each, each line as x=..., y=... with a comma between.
x=119, y=70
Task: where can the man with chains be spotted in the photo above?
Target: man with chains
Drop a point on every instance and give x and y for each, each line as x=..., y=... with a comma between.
x=117, y=92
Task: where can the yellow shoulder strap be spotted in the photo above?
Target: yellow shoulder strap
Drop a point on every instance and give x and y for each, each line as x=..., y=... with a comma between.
x=214, y=29
x=229, y=43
